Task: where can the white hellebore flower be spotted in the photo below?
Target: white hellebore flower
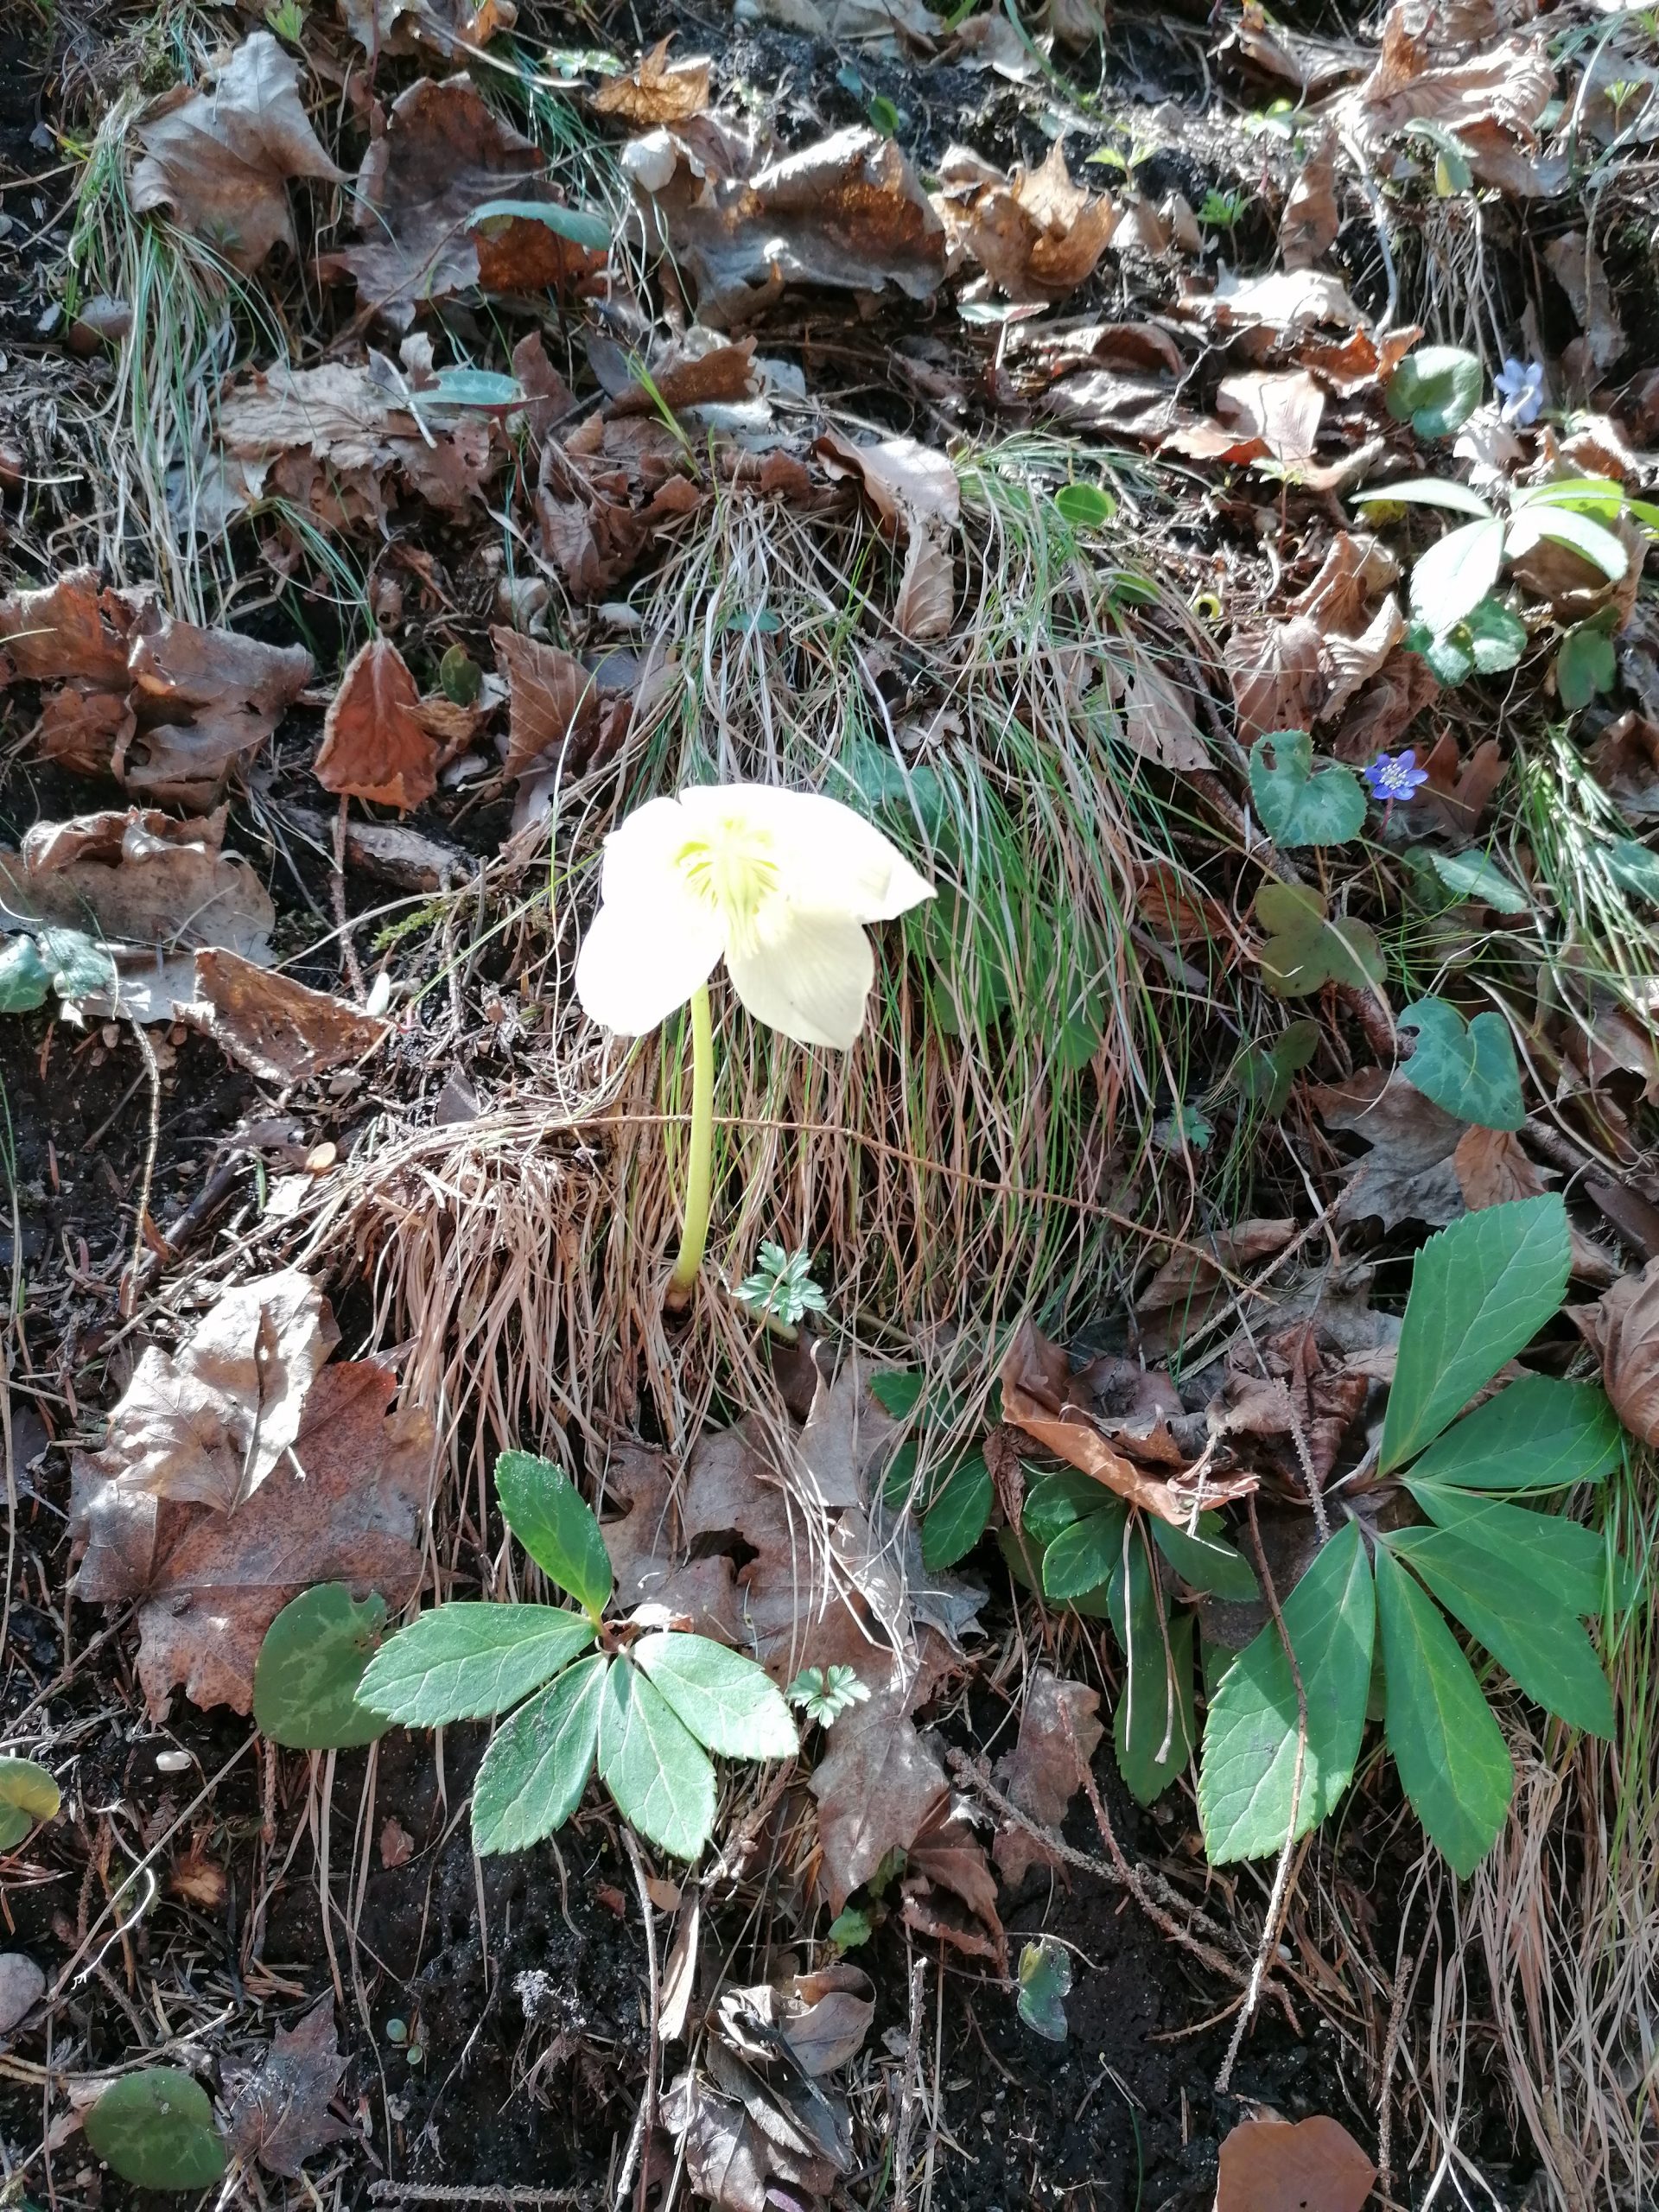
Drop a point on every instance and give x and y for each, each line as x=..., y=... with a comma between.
x=778, y=884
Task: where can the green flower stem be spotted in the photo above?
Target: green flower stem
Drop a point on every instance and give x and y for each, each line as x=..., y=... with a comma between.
x=699, y=1172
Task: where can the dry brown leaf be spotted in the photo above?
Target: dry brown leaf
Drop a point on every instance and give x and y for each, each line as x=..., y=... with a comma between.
x=1283, y=410
x=849, y=212
x=1296, y=1387
x=1623, y=1326
x=1039, y=1397
x=1355, y=569
x=1289, y=300
x=1277, y=676
x=220, y=159
x=1308, y=227
x=1036, y=234
x=698, y=370
x=396, y=1845
x=1058, y=1737
x=1580, y=272
x=448, y=27
x=554, y=709
x=1409, y=1173
x=1492, y=1167
x=206, y=1425
x=1311, y=66
x=281, y=2115
x=823, y=2017
x=375, y=745
x=443, y=156
x=1189, y=1274
x=205, y=702
x=1157, y=721
x=1359, y=360
x=1458, y=792
x=199, y=1879
x=1351, y=663
x=1268, y=2165
x=878, y=1786
x=915, y=490
x=284, y=1032
x=654, y=91
x=212, y=1582
x=75, y=627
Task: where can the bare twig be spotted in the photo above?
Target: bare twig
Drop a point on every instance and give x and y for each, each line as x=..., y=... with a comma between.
x=640, y=2141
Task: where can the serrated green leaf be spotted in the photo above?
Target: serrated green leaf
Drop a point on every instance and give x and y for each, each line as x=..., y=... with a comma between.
x=1305, y=952
x=1538, y=1433
x=591, y=232
x=1300, y=801
x=1473, y=875
x=1468, y=1068
x=1571, y=1563
x=730, y=1704
x=660, y=1776
x=1480, y=1291
x=1451, y=578
x=1587, y=663
x=1427, y=491
x=1436, y=388
x=1454, y=1766
x=1205, y=1562
x=310, y=1665
x=1153, y=1729
x=553, y=1521
x=1566, y=526
x=1045, y=1984
x=155, y=2129
x=1085, y=506
x=28, y=1795
x=1086, y=1555
x=24, y=978
x=1540, y=1643
x=536, y=1767
x=958, y=1516
x=465, y=1661
x=1249, y=1738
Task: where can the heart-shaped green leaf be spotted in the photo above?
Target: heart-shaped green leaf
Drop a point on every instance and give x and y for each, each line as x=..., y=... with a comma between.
x=1297, y=802
x=1587, y=663
x=155, y=2129
x=1469, y=1069
x=27, y=1796
x=1045, y=1984
x=1265, y=1073
x=554, y=1522
x=1304, y=951
x=1085, y=506
x=1436, y=390
x=306, y=1678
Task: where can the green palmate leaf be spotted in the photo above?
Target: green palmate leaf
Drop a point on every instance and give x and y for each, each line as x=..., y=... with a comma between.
x=553, y=1521
x=539, y=1762
x=1436, y=390
x=28, y=1795
x=1539, y=1642
x=1086, y=1555
x=25, y=979
x=1153, y=1728
x=465, y=1661
x=1480, y=1291
x=1300, y=801
x=1468, y=1068
x=1587, y=663
x=1537, y=1435
x=155, y=2130
x=1249, y=1739
x=1305, y=952
x=1265, y=1074
x=591, y=232
x=1566, y=527
x=1451, y=578
x=1634, y=867
x=1205, y=1562
x=1085, y=506
x=1572, y=1564
x=728, y=1703
x=1045, y=1984
x=306, y=1678
x=1427, y=491
x=1473, y=875
x=958, y=1516
x=659, y=1775
x=1454, y=1766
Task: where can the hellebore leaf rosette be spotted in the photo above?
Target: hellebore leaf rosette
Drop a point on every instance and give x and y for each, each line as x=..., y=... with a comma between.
x=778, y=884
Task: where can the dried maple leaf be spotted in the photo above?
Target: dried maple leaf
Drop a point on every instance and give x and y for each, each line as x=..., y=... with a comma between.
x=1058, y=1737
x=1278, y=676
x=375, y=745
x=654, y=91
x=945, y=1855
x=1623, y=1326
x=1283, y=409
x=553, y=716
x=1035, y=233
x=220, y=159
x=1268, y=2165
x=284, y=1032
x=281, y=2115
x=1409, y=1173
x=345, y=1505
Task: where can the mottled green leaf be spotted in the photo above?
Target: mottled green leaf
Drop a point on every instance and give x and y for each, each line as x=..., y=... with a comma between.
x=310, y=1665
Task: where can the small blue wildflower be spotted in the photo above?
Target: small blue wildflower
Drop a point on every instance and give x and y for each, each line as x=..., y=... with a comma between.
x=1394, y=776
x=1520, y=385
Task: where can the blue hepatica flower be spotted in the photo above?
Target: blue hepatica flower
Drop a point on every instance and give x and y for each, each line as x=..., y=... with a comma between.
x=1394, y=776
x=1520, y=385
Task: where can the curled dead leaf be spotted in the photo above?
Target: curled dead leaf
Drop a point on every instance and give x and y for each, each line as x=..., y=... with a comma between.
x=375, y=745
x=1058, y=1737
x=1623, y=1326
x=282, y=1030
x=654, y=90
x=1036, y=234
x=280, y=2115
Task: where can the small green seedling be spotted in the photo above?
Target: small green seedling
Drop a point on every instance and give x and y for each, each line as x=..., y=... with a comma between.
x=580, y=1689
x=781, y=1288
x=1045, y=1984
x=824, y=1693
x=155, y=2129
x=1085, y=506
x=27, y=1796
x=1222, y=210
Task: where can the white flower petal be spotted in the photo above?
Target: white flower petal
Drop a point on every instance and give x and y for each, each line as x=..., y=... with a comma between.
x=808, y=976
x=831, y=860
x=639, y=852
x=643, y=956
